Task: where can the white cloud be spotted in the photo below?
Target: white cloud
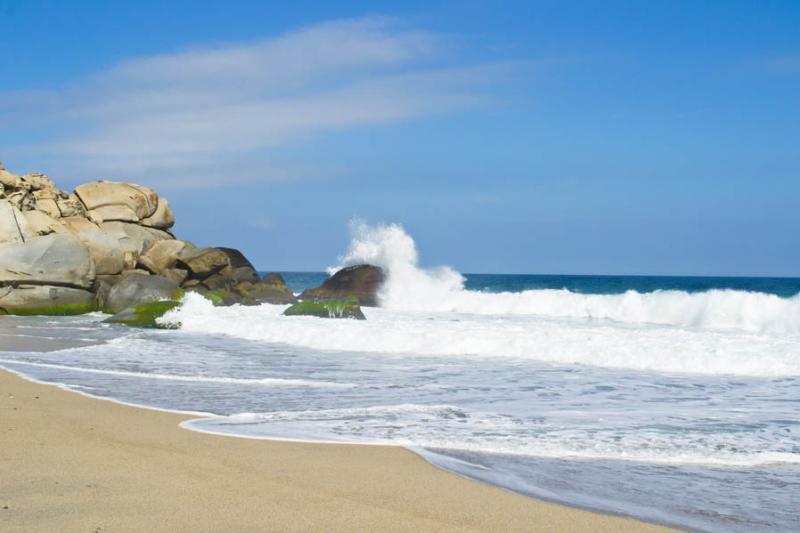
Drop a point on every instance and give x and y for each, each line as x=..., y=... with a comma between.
x=184, y=116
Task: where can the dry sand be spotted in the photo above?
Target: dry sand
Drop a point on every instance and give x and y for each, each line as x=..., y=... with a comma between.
x=73, y=463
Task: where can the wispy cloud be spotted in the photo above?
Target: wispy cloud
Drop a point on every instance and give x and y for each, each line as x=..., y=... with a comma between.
x=203, y=116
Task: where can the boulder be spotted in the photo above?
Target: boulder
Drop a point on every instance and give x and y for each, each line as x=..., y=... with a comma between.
x=137, y=289
x=109, y=254
x=162, y=218
x=134, y=238
x=219, y=281
x=361, y=281
x=347, y=308
x=272, y=290
x=163, y=255
x=109, y=257
x=145, y=315
x=240, y=269
x=108, y=201
x=175, y=275
x=57, y=259
x=45, y=300
x=204, y=262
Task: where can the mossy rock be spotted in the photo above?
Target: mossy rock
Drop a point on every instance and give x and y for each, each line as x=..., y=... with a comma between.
x=270, y=293
x=217, y=297
x=32, y=300
x=145, y=315
x=360, y=281
x=346, y=308
x=53, y=310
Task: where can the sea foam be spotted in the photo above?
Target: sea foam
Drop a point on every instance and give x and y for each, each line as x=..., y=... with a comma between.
x=412, y=288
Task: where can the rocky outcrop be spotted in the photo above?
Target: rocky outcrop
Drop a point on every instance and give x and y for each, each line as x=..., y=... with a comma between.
x=108, y=246
x=109, y=201
x=359, y=281
x=137, y=289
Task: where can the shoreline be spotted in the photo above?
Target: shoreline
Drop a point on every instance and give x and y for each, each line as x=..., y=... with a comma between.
x=320, y=486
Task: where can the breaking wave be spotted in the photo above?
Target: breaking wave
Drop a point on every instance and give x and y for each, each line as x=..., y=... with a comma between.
x=410, y=287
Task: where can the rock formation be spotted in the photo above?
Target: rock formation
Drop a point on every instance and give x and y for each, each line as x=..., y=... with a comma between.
x=108, y=246
x=361, y=281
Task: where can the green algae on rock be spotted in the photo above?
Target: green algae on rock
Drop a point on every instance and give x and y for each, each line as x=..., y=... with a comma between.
x=347, y=308
x=145, y=315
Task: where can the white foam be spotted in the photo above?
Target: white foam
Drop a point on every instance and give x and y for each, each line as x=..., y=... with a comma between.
x=270, y=382
x=454, y=428
x=412, y=288
x=555, y=340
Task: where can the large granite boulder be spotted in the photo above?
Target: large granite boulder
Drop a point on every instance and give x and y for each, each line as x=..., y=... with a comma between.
x=137, y=289
x=203, y=262
x=134, y=238
x=360, y=281
x=111, y=201
x=58, y=259
x=163, y=255
x=109, y=254
x=45, y=300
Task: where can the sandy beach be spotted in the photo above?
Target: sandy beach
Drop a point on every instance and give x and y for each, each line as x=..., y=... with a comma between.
x=73, y=463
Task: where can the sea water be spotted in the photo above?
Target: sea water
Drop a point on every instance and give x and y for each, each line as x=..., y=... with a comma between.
x=675, y=400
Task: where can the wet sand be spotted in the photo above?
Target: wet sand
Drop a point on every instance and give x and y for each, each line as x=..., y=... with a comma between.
x=73, y=463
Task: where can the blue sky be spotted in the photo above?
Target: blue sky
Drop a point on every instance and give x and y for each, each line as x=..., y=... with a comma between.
x=537, y=137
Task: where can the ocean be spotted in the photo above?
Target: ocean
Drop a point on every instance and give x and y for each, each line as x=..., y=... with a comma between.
x=670, y=399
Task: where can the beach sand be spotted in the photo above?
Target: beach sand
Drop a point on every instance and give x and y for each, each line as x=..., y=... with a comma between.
x=72, y=463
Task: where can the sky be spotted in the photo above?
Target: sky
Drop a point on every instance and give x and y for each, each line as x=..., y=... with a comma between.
x=507, y=137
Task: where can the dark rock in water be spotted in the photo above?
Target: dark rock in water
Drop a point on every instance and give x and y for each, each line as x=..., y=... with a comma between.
x=222, y=291
x=347, y=308
x=360, y=281
x=137, y=289
x=216, y=268
x=224, y=296
x=240, y=268
x=274, y=279
x=145, y=315
x=272, y=290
